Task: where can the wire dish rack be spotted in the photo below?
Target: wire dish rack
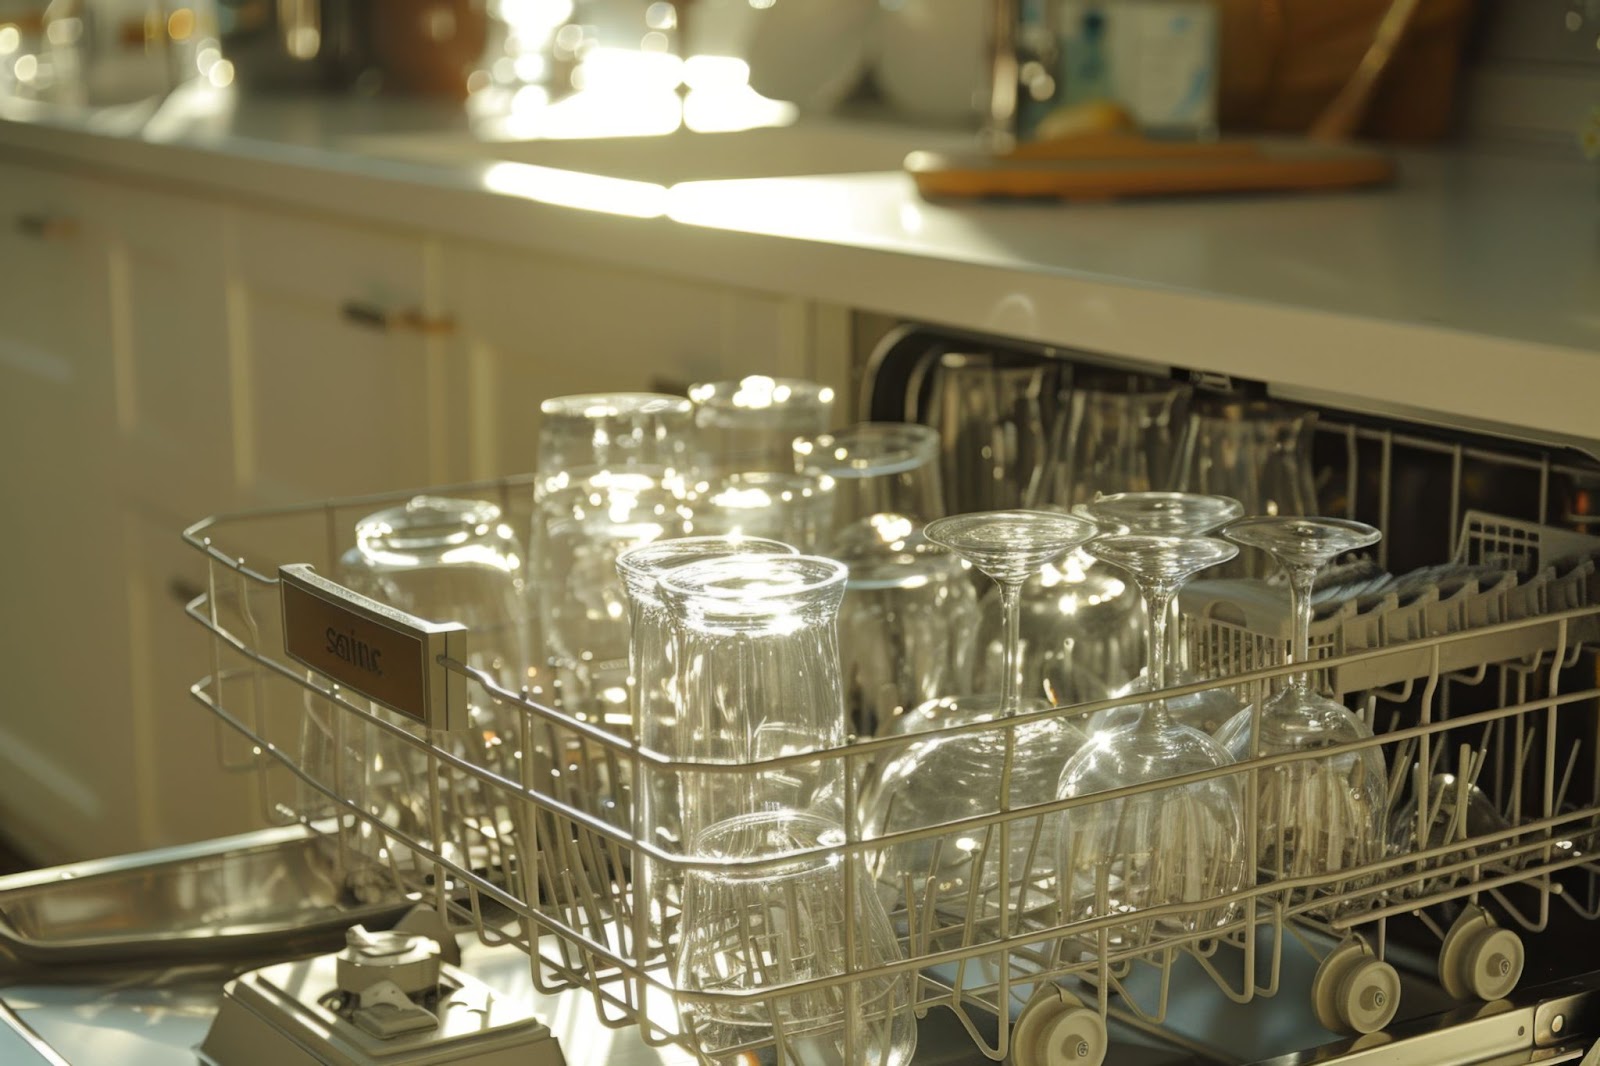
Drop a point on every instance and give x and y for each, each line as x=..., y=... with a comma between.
x=516, y=825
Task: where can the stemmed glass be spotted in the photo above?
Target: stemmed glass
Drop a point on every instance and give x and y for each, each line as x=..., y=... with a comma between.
x=1315, y=817
x=1179, y=844
x=1010, y=546
x=944, y=778
x=1169, y=514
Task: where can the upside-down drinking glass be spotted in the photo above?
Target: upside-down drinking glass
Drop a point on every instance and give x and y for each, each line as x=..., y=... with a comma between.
x=750, y=424
x=757, y=677
x=759, y=924
x=1177, y=844
x=446, y=560
x=614, y=472
x=1314, y=817
x=652, y=669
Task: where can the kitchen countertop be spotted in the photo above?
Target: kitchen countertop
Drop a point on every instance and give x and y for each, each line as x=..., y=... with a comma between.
x=1470, y=290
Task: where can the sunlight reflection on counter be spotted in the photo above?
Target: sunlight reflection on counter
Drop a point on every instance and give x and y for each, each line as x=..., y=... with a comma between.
x=571, y=188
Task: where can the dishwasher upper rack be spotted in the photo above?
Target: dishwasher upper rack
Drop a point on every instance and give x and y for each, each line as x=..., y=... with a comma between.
x=1373, y=469
x=518, y=847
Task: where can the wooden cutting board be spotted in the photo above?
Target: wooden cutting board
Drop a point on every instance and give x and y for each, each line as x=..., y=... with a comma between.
x=1115, y=167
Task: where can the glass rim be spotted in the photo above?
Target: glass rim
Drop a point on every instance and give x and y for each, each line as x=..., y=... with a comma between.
x=643, y=565
x=724, y=395
x=911, y=446
x=594, y=405
x=717, y=588
x=428, y=521
x=780, y=863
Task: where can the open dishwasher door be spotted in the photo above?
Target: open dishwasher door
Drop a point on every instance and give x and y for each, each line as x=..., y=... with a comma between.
x=1464, y=937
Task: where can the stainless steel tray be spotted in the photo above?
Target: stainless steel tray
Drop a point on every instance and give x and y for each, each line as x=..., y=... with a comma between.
x=224, y=904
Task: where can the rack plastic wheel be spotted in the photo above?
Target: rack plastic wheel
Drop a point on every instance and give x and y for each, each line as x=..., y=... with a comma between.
x=1354, y=990
x=1480, y=959
x=1056, y=1029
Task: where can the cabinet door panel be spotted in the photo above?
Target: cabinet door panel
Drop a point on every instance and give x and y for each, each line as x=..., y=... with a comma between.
x=64, y=649
x=337, y=401
x=534, y=327
x=178, y=745
x=175, y=394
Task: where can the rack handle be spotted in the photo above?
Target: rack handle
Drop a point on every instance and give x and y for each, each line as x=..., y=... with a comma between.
x=369, y=647
x=405, y=320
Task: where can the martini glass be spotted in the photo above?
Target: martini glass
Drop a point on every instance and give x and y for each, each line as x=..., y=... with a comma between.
x=1167, y=514
x=1010, y=547
x=1315, y=817
x=1178, y=844
x=944, y=778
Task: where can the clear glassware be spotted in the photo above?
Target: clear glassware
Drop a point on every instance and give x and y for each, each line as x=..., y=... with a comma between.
x=1108, y=442
x=1178, y=844
x=1173, y=514
x=750, y=424
x=1459, y=811
x=794, y=508
x=939, y=779
x=1082, y=633
x=1315, y=817
x=905, y=628
x=1257, y=452
x=757, y=677
x=989, y=412
x=758, y=927
x=446, y=560
x=879, y=468
x=652, y=668
x=909, y=607
x=614, y=472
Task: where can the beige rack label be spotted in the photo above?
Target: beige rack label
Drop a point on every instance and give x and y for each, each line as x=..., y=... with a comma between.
x=404, y=662
x=359, y=653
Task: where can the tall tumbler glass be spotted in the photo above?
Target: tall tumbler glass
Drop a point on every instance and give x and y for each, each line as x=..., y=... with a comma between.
x=446, y=560
x=757, y=675
x=614, y=472
x=990, y=413
x=756, y=927
x=909, y=610
x=1105, y=442
x=750, y=424
x=1256, y=451
x=794, y=508
x=652, y=668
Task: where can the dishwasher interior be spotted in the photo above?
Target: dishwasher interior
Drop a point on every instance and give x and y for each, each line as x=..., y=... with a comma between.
x=1470, y=940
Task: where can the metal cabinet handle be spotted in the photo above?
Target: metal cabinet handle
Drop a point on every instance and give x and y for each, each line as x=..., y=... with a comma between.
x=407, y=320
x=47, y=227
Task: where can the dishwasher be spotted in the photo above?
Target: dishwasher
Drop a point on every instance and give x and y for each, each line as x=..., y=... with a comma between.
x=486, y=908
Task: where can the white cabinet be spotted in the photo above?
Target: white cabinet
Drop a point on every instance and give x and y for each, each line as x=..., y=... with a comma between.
x=65, y=731
x=530, y=327
x=166, y=355
x=338, y=350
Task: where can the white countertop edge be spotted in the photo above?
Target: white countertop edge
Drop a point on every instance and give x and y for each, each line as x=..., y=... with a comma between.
x=1367, y=363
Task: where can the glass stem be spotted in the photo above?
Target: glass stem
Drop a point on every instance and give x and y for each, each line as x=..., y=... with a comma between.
x=1301, y=580
x=1157, y=601
x=1010, y=682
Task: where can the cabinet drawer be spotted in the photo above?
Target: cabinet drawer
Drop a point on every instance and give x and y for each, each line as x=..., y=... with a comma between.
x=338, y=368
x=327, y=262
